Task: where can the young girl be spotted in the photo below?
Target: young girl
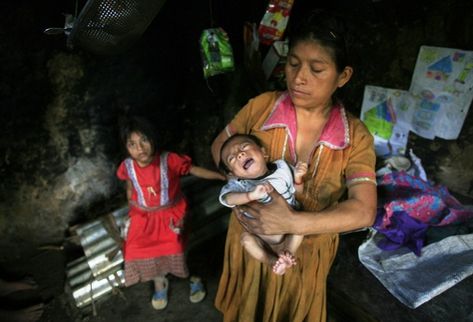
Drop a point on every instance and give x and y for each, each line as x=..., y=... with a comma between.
x=155, y=241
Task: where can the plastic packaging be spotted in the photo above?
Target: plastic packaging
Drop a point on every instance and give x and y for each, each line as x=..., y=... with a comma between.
x=216, y=52
x=274, y=21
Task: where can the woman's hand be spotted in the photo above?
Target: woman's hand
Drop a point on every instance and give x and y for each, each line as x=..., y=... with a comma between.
x=273, y=218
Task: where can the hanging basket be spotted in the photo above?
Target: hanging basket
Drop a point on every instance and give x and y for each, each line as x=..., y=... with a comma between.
x=110, y=26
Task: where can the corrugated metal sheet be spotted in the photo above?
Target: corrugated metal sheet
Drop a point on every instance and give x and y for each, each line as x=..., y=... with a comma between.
x=95, y=275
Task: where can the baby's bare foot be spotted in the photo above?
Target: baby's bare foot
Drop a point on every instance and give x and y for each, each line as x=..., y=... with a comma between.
x=285, y=260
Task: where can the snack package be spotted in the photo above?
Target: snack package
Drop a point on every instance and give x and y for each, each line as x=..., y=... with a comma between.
x=274, y=21
x=216, y=52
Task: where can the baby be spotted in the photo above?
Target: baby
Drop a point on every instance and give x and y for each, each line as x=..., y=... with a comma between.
x=244, y=160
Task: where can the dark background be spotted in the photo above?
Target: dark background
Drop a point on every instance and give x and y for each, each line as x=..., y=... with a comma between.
x=59, y=107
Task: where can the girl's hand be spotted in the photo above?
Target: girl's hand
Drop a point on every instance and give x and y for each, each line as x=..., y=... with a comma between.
x=273, y=218
x=177, y=229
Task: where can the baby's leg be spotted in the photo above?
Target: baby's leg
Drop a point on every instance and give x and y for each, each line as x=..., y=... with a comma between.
x=255, y=247
x=286, y=258
x=293, y=242
x=273, y=240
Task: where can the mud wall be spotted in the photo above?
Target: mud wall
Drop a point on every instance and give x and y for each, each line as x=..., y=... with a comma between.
x=59, y=107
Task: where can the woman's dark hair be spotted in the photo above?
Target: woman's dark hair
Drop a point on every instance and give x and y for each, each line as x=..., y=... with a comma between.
x=140, y=125
x=221, y=165
x=328, y=30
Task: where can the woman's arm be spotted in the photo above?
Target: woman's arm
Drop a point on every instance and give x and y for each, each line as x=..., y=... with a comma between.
x=216, y=146
x=358, y=211
x=206, y=173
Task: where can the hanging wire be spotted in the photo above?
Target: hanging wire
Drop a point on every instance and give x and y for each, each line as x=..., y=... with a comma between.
x=211, y=25
x=211, y=14
x=208, y=86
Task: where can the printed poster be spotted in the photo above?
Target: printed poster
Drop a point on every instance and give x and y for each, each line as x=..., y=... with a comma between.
x=436, y=104
x=442, y=84
x=388, y=113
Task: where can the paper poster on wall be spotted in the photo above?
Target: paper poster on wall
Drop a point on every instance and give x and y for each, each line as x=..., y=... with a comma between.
x=442, y=84
x=387, y=113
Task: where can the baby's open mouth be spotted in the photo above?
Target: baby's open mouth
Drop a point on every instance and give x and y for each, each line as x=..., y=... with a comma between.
x=248, y=163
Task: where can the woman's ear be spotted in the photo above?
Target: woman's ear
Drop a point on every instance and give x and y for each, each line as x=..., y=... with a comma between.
x=345, y=76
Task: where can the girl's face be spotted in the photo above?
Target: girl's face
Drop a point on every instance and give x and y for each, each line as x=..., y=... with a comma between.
x=140, y=149
x=311, y=75
x=244, y=158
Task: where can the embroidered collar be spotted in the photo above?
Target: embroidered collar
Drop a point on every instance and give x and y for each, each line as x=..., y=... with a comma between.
x=335, y=134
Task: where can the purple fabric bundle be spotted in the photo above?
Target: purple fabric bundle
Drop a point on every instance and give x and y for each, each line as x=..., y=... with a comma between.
x=409, y=205
x=403, y=231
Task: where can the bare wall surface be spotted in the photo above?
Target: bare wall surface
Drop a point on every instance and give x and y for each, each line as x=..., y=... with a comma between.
x=60, y=108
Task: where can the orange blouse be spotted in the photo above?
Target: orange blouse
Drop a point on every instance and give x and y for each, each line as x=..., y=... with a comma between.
x=343, y=156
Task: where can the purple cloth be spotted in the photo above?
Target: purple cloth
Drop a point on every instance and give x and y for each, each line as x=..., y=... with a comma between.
x=408, y=205
x=432, y=205
x=403, y=231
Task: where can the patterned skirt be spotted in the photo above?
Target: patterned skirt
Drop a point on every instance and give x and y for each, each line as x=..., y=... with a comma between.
x=143, y=270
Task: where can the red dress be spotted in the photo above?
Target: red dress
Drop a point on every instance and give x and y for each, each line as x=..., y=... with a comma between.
x=155, y=241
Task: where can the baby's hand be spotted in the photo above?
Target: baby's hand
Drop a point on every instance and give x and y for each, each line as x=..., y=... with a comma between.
x=301, y=169
x=261, y=191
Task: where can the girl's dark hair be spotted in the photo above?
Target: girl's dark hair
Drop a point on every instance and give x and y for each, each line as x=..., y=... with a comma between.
x=328, y=30
x=221, y=165
x=140, y=125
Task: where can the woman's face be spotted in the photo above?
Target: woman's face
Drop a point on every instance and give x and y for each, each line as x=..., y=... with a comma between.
x=311, y=75
x=140, y=149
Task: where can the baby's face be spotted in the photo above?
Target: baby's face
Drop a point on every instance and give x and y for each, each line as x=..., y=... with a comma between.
x=244, y=158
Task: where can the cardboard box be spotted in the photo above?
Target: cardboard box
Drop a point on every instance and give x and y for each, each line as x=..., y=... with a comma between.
x=273, y=63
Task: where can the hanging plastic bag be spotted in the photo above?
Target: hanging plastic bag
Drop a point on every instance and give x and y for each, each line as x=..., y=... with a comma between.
x=216, y=51
x=274, y=21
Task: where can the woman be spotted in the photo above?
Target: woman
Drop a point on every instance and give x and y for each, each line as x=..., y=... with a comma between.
x=303, y=124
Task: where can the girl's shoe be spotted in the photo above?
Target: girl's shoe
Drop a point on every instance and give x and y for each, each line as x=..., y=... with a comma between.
x=160, y=298
x=197, y=290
